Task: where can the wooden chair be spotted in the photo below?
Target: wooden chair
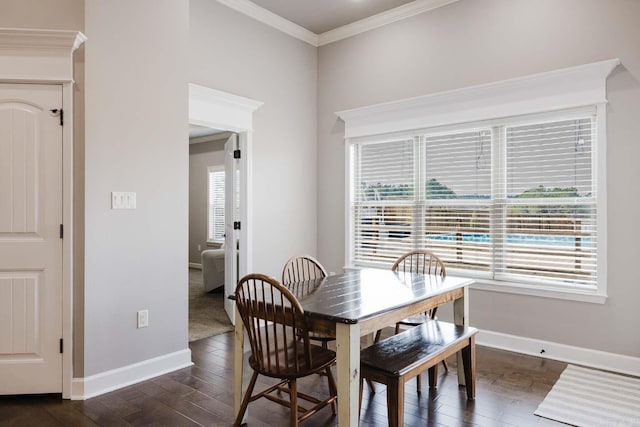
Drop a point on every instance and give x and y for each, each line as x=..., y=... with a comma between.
x=278, y=334
x=300, y=270
x=423, y=262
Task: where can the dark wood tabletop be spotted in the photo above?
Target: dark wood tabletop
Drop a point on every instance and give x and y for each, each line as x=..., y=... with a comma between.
x=356, y=296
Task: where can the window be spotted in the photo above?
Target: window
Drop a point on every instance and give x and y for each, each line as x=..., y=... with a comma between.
x=509, y=200
x=506, y=181
x=215, y=214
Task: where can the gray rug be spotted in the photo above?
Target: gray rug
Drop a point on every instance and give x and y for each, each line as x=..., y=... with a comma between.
x=586, y=397
x=206, y=310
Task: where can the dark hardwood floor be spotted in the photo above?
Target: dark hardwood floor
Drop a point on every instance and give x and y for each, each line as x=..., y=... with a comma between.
x=509, y=388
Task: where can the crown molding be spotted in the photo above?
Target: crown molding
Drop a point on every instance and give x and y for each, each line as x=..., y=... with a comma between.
x=381, y=19
x=220, y=110
x=35, y=39
x=261, y=14
x=31, y=55
x=269, y=18
x=549, y=91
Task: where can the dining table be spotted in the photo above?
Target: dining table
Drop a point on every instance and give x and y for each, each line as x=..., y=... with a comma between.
x=358, y=303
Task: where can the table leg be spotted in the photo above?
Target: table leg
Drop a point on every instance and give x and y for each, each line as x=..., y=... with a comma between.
x=238, y=357
x=461, y=317
x=348, y=361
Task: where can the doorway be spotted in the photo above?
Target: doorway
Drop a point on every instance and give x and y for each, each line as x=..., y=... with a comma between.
x=209, y=150
x=213, y=109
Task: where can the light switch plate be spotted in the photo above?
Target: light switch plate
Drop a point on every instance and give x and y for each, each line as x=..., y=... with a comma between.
x=123, y=200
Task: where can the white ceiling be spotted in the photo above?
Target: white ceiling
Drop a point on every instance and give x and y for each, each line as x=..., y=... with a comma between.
x=319, y=16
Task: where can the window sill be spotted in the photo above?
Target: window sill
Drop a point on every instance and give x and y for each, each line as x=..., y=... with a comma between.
x=544, y=292
x=530, y=290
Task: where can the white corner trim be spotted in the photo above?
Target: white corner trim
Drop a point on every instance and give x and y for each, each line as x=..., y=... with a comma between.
x=565, y=353
x=95, y=385
x=220, y=110
x=261, y=14
x=549, y=91
x=381, y=19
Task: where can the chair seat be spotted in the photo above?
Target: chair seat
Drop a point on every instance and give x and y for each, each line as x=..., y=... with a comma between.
x=321, y=358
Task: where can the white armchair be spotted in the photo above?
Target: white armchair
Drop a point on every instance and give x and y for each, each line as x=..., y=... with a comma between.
x=213, y=268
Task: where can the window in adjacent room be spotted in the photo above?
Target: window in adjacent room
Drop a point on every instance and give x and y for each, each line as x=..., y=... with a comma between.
x=215, y=211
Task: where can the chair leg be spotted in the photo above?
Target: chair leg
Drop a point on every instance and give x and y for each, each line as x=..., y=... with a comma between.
x=245, y=400
x=293, y=393
x=433, y=376
x=469, y=364
x=445, y=364
x=397, y=328
x=372, y=387
x=360, y=400
x=333, y=389
x=378, y=334
x=419, y=383
x=395, y=402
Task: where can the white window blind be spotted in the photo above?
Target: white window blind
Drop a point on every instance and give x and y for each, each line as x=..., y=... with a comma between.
x=458, y=198
x=384, y=198
x=511, y=200
x=550, y=205
x=215, y=229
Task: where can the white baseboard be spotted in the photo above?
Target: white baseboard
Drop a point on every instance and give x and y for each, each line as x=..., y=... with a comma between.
x=195, y=265
x=104, y=382
x=565, y=353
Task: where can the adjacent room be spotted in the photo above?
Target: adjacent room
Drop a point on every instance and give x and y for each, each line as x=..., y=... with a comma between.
x=376, y=212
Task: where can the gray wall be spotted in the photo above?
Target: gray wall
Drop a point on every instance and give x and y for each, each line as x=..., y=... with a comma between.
x=471, y=42
x=201, y=156
x=136, y=118
x=236, y=54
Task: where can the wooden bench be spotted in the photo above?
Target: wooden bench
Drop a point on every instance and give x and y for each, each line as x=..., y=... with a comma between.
x=401, y=357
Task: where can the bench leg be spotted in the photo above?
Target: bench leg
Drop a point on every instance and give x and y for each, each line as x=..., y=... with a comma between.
x=395, y=402
x=469, y=363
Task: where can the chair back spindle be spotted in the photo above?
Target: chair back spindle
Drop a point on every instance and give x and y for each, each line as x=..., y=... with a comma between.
x=302, y=268
x=420, y=261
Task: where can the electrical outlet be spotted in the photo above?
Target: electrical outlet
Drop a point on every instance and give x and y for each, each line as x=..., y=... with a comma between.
x=199, y=248
x=143, y=318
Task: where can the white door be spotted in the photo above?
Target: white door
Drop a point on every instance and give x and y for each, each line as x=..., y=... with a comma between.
x=30, y=243
x=232, y=216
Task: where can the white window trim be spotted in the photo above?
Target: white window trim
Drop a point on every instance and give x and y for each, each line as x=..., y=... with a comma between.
x=564, y=89
x=210, y=170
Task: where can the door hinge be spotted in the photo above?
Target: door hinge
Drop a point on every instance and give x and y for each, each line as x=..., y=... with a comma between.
x=61, y=346
x=61, y=231
x=60, y=113
x=236, y=154
x=236, y=225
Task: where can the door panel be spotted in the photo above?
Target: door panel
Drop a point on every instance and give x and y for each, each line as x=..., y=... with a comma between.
x=30, y=245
